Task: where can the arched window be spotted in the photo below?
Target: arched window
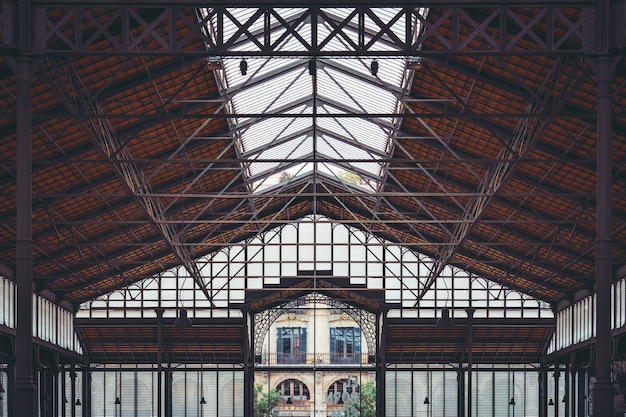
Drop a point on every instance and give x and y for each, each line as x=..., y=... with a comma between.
x=342, y=391
x=294, y=392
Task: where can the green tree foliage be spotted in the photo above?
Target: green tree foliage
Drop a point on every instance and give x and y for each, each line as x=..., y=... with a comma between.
x=285, y=176
x=365, y=403
x=350, y=177
x=265, y=401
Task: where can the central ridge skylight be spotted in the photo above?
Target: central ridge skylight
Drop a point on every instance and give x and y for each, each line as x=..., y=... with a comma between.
x=295, y=116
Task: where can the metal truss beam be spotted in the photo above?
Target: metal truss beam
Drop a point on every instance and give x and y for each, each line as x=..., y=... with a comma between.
x=152, y=27
x=106, y=139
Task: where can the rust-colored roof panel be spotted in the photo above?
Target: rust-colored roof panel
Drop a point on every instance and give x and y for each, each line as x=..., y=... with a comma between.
x=136, y=341
x=493, y=341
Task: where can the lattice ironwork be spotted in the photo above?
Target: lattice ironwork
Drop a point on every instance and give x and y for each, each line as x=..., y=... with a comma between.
x=264, y=319
x=151, y=28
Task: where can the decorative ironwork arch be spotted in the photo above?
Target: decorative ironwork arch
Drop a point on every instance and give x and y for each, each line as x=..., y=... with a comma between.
x=264, y=319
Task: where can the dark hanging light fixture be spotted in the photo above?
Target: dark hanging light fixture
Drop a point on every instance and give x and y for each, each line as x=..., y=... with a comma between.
x=78, y=402
x=445, y=320
x=202, y=401
x=118, y=401
x=428, y=375
x=374, y=67
x=243, y=67
x=182, y=321
x=312, y=67
x=551, y=402
x=512, y=387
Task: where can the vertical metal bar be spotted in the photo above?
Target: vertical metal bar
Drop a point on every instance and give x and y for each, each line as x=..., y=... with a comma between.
x=460, y=390
x=73, y=389
x=267, y=30
x=603, y=387
x=159, y=313
x=566, y=395
x=86, y=391
x=314, y=41
x=219, y=37
x=543, y=389
x=556, y=376
x=173, y=29
x=63, y=398
x=248, y=370
x=381, y=361
x=24, y=391
x=470, y=346
x=361, y=42
x=582, y=396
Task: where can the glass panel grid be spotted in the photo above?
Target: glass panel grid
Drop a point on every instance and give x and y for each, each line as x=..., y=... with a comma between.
x=317, y=243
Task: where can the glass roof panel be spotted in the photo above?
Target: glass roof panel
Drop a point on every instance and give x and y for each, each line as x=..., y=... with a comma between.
x=266, y=92
x=276, y=130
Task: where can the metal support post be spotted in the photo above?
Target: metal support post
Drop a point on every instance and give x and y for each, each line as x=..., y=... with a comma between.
x=557, y=374
x=470, y=347
x=582, y=394
x=602, y=395
x=542, y=378
x=248, y=369
x=460, y=390
x=566, y=389
x=159, y=313
x=24, y=390
x=73, y=390
x=380, y=364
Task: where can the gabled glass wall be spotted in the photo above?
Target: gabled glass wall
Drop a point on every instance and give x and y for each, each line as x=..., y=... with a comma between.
x=297, y=250
x=312, y=357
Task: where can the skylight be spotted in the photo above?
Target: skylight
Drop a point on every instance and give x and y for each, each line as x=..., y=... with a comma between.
x=320, y=108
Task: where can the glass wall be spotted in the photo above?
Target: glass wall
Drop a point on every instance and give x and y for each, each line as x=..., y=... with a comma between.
x=125, y=391
x=313, y=356
x=317, y=244
x=433, y=391
x=51, y=322
x=576, y=323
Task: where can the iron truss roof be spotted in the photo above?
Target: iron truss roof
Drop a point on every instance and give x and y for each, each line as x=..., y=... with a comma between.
x=136, y=167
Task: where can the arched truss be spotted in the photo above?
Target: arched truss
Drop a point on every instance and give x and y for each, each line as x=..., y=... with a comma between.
x=264, y=319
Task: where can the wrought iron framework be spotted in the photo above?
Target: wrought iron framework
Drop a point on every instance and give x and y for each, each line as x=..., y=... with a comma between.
x=150, y=27
x=264, y=319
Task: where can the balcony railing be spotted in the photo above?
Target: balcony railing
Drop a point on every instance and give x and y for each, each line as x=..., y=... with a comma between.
x=312, y=359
